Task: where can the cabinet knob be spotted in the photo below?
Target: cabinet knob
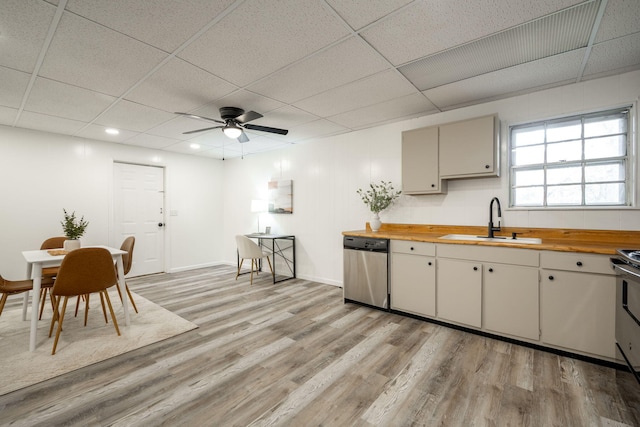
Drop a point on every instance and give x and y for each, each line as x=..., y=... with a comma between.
x=487, y=166
x=579, y=263
x=550, y=277
x=429, y=262
x=433, y=185
x=475, y=268
x=411, y=248
x=491, y=270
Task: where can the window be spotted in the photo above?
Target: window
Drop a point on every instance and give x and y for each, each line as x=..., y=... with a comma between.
x=573, y=161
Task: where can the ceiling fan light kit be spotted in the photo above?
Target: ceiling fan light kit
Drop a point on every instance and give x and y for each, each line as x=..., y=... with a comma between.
x=233, y=122
x=232, y=131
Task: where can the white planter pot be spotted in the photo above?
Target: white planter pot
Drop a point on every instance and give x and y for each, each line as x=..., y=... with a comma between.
x=375, y=223
x=70, y=245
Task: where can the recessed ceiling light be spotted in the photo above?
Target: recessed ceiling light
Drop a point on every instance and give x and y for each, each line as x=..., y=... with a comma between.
x=195, y=146
x=112, y=131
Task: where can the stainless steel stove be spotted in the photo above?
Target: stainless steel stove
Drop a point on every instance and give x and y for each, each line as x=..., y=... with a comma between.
x=627, y=267
x=630, y=257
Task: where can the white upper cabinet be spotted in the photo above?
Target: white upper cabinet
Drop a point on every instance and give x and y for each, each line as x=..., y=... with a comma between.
x=420, y=173
x=469, y=148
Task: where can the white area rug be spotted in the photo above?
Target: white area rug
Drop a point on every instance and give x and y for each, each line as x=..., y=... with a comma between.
x=78, y=346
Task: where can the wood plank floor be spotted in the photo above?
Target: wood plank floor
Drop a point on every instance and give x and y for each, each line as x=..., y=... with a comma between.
x=293, y=354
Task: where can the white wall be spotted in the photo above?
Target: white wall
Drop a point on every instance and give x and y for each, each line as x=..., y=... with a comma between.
x=42, y=173
x=326, y=174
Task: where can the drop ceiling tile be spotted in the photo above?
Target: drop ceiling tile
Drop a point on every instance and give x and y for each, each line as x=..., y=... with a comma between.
x=262, y=36
x=164, y=24
x=175, y=128
x=180, y=86
x=184, y=147
x=59, y=99
x=618, y=54
x=14, y=83
x=519, y=79
x=131, y=116
x=89, y=55
x=403, y=107
x=98, y=132
x=23, y=29
x=359, y=13
x=220, y=153
x=7, y=115
x=257, y=144
x=211, y=139
x=557, y=33
x=431, y=26
x=48, y=123
x=343, y=63
x=151, y=141
x=621, y=18
x=315, y=129
x=381, y=87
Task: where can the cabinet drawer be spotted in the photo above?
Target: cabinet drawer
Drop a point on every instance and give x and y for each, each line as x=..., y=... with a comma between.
x=416, y=248
x=571, y=261
x=514, y=256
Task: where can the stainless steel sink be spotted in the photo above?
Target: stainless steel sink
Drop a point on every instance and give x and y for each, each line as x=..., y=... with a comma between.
x=520, y=240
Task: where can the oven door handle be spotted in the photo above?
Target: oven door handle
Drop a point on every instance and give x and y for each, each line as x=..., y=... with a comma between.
x=626, y=270
x=625, y=293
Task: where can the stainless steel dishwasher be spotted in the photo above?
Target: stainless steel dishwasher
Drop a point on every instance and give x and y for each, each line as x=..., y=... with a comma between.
x=366, y=271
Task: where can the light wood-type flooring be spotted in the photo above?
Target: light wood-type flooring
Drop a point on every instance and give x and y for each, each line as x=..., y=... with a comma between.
x=293, y=354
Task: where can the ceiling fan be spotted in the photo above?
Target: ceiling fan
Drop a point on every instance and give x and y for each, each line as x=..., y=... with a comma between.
x=234, y=120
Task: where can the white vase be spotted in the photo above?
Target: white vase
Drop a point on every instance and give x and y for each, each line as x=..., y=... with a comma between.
x=70, y=245
x=375, y=222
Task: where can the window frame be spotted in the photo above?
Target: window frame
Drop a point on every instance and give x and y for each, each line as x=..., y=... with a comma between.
x=629, y=160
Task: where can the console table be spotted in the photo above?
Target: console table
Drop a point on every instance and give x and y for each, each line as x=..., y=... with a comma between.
x=282, y=248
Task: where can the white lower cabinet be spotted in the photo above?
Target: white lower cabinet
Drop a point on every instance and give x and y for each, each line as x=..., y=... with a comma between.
x=578, y=311
x=511, y=302
x=413, y=277
x=493, y=288
x=578, y=296
x=559, y=299
x=460, y=291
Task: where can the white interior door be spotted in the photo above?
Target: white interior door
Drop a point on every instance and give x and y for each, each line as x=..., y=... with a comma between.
x=139, y=212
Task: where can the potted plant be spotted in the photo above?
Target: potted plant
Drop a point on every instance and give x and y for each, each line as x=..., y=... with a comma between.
x=378, y=197
x=73, y=229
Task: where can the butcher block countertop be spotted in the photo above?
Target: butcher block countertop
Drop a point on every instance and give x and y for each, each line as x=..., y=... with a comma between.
x=553, y=239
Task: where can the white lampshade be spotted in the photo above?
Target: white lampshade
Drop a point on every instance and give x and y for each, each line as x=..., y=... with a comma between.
x=232, y=131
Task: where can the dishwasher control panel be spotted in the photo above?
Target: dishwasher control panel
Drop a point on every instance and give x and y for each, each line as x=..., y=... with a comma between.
x=366, y=244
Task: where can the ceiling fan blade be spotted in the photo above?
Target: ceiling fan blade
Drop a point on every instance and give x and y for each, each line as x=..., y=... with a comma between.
x=266, y=129
x=201, y=130
x=193, y=116
x=243, y=137
x=248, y=116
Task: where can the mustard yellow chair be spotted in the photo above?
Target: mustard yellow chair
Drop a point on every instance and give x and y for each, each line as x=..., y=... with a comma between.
x=11, y=287
x=83, y=271
x=49, y=273
x=127, y=261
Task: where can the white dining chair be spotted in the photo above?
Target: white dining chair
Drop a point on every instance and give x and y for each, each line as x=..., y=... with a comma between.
x=248, y=249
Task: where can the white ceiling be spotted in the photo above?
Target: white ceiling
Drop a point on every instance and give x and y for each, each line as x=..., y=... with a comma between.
x=315, y=67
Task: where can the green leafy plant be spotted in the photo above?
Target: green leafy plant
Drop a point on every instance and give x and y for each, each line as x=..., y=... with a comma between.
x=73, y=228
x=379, y=196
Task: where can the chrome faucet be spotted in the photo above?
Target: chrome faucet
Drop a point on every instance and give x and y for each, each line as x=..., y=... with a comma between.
x=491, y=227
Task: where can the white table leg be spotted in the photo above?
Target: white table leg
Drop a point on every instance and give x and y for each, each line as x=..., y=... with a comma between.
x=35, y=303
x=123, y=289
x=25, y=300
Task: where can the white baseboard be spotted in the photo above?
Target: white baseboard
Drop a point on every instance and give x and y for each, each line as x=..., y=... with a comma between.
x=323, y=280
